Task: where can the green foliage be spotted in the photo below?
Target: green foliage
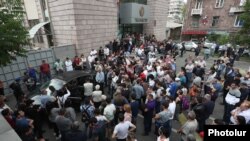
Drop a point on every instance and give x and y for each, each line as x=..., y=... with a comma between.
x=218, y=38
x=213, y=37
x=223, y=39
x=13, y=35
x=243, y=36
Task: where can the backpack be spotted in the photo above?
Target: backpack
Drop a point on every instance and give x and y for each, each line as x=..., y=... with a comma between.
x=85, y=115
x=185, y=103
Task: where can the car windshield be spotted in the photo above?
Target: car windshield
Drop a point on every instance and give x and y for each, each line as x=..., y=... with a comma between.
x=56, y=83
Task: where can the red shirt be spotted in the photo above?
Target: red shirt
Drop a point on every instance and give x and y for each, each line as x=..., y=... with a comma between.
x=10, y=121
x=76, y=61
x=45, y=68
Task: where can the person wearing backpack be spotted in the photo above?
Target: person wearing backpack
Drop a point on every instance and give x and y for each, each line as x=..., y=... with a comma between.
x=87, y=110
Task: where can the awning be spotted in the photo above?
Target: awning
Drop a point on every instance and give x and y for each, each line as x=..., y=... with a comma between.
x=194, y=32
x=172, y=25
x=35, y=28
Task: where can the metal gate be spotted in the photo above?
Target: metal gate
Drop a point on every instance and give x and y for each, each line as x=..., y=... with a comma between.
x=34, y=58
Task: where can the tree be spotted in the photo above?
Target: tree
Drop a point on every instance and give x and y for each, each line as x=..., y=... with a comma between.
x=243, y=36
x=13, y=34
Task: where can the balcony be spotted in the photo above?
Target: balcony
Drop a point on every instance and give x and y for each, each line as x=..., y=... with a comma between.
x=196, y=12
x=236, y=9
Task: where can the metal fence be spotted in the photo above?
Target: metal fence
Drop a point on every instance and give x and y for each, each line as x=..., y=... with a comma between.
x=34, y=58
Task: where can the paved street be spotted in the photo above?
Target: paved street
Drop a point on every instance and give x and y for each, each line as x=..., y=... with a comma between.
x=218, y=111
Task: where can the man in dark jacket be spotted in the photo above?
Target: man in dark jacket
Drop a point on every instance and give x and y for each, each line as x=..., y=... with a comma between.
x=208, y=105
x=75, y=134
x=199, y=110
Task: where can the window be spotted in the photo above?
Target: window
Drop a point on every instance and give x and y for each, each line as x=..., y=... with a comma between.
x=136, y=1
x=198, y=4
x=215, y=21
x=238, y=22
x=219, y=3
x=195, y=22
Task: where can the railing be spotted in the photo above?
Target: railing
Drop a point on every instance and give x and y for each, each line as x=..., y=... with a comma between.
x=236, y=9
x=196, y=12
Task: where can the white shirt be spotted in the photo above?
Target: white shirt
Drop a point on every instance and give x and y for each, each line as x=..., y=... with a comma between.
x=91, y=58
x=93, y=52
x=159, y=139
x=189, y=67
x=5, y=107
x=109, y=111
x=121, y=129
x=68, y=64
x=114, y=79
x=106, y=51
x=83, y=60
x=140, y=51
x=245, y=114
x=101, y=118
x=88, y=88
x=202, y=63
x=171, y=108
x=59, y=66
x=62, y=99
x=151, y=83
x=97, y=96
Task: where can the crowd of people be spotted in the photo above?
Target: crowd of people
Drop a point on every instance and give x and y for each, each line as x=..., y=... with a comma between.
x=135, y=76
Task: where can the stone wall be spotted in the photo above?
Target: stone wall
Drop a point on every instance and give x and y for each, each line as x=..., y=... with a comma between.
x=86, y=23
x=157, y=19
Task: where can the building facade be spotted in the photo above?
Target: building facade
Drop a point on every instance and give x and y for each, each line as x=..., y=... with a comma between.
x=157, y=18
x=204, y=17
x=86, y=23
x=175, y=9
x=143, y=16
x=92, y=23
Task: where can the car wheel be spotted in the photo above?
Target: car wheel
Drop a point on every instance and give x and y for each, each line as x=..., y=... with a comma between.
x=192, y=49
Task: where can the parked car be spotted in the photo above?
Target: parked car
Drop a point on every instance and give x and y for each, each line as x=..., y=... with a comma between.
x=189, y=45
x=73, y=80
x=246, y=52
x=207, y=44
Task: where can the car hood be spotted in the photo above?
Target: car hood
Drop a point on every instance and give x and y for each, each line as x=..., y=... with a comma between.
x=59, y=81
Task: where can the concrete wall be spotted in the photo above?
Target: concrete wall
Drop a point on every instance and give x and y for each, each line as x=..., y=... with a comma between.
x=226, y=21
x=157, y=19
x=86, y=23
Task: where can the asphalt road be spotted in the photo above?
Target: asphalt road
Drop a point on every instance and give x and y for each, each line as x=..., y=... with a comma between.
x=218, y=111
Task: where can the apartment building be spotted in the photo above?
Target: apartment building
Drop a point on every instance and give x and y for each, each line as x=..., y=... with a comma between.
x=175, y=9
x=204, y=17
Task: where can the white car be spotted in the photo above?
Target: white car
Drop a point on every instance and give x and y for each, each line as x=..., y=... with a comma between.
x=208, y=44
x=189, y=45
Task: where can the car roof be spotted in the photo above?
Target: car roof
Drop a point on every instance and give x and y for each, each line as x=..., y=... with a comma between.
x=68, y=76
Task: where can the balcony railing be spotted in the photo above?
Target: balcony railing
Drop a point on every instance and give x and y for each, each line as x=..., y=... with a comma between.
x=196, y=12
x=236, y=9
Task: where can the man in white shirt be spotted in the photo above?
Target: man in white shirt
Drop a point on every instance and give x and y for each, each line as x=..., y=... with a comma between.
x=106, y=52
x=68, y=64
x=93, y=52
x=122, y=128
x=88, y=88
x=139, y=52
